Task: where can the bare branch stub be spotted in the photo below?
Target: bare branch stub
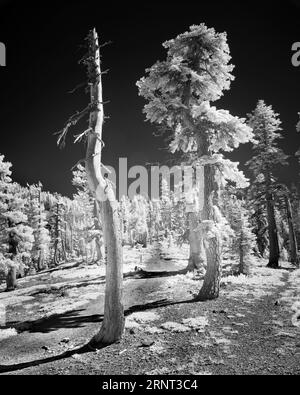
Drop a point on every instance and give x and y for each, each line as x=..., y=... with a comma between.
x=77, y=87
x=105, y=44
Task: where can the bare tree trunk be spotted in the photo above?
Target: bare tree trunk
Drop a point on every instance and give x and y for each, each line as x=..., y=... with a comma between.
x=292, y=235
x=132, y=238
x=41, y=261
x=243, y=265
x=56, y=237
x=113, y=323
x=261, y=246
x=261, y=229
x=70, y=242
x=11, y=279
x=143, y=239
x=98, y=249
x=211, y=286
x=150, y=228
x=273, y=233
x=197, y=258
x=63, y=249
x=66, y=244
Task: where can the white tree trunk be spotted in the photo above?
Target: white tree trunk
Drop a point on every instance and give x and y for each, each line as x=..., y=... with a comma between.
x=113, y=324
x=197, y=258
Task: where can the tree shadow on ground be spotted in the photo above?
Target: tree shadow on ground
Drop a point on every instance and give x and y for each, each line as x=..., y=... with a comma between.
x=58, y=289
x=68, y=354
x=156, y=305
x=62, y=267
x=139, y=274
x=75, y=319
x=287, y=269
x=71, y=320
x=144, y=274
x=156, y=259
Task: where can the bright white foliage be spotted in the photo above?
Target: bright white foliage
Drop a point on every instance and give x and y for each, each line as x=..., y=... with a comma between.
x=267, y=132
x=38, y=221
x=139, y=212
x=179, y=91
x=13, y=218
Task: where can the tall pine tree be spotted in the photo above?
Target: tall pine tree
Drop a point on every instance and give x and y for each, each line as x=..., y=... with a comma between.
x=179, y=91
x=267, y=156
x=38, y=221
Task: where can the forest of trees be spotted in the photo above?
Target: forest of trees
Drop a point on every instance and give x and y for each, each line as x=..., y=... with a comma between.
x=240, y=217
x=40, y=230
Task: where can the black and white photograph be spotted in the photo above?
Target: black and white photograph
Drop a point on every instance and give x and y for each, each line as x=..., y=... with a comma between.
x=149, y=191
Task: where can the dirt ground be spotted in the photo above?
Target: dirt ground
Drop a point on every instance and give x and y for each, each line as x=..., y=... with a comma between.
x=252, y=329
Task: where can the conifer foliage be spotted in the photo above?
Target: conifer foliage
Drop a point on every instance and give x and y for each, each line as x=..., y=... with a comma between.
x=267, y=156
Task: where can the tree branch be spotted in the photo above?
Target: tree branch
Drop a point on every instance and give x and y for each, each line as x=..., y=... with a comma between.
x=72, y=121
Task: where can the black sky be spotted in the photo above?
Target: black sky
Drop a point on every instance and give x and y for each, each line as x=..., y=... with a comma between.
x=43, y=42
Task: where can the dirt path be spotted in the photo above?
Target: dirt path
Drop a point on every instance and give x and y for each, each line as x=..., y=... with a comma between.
x=248, y=330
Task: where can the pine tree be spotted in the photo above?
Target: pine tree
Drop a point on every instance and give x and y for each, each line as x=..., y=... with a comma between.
x=5, y=180
x=267, y=156
x=125, y=219
x=154, y=220
x=86, y=233
x=138, y=220
x=16, y=235
x=179, y=219
x=57, y=207
x=38, y=221
x=243, y=240
x=179, y=91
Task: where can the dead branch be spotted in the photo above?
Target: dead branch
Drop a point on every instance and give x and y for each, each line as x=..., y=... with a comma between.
x=77, y=87
x=105, y=44
x=72, y=121
x=80, y=136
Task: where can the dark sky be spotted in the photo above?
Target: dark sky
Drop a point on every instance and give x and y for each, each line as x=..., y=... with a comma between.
x=43, y=42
